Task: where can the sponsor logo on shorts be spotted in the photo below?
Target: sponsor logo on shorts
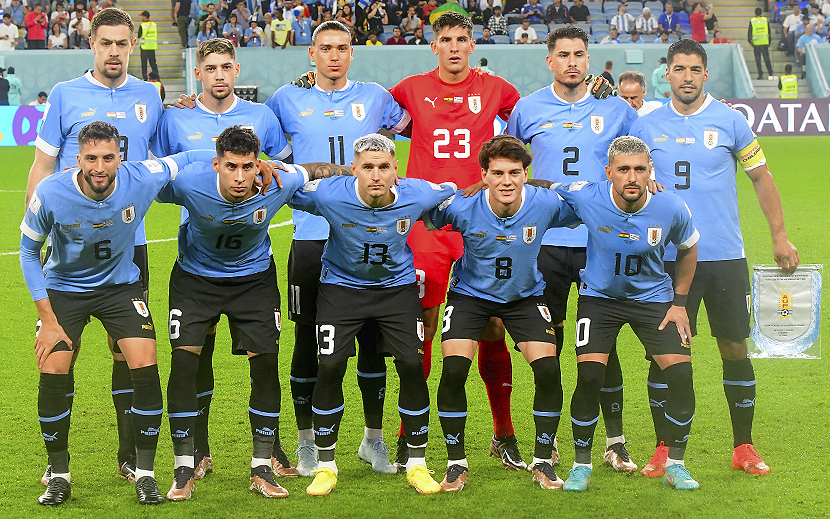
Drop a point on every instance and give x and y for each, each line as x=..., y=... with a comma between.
x=300, y=400
x=550, y=331
x=151, y=431
x=452, y=440
x=146, y=326
x=180, y=434
x=141, y=307
x=382, y=393
x=615, y=407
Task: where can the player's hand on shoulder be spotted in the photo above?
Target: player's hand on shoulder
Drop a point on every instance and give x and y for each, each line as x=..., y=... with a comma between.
x=653, y=186
x=49, y=335
x=185, y=101
x=270, y=173
x=599, y=87
x=306, y=80
x=475, y=188
x=785, y=254
x=478, y=69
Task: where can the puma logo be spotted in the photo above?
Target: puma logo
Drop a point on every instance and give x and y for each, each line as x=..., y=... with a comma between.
x=431, y=101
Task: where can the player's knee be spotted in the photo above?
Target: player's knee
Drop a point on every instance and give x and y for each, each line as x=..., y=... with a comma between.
x=331, y=372
x=546, y=373
x=591, y=375
x=732, y=350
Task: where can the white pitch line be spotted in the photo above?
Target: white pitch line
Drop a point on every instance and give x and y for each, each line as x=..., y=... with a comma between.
x=272, y=226
x=12, y=190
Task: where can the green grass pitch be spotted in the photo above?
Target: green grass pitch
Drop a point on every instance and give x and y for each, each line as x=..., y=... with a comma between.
x=791, y=420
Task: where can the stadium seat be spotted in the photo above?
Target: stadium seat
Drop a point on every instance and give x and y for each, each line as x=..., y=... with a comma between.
x=568, y=4
x=598, y=18
x=546, y=3
x=500, y=38
x=685, y=28
x=682, y=18
x=539, y=27
x=600, y=27
x=428, y=31
x=388, y=29
x=477, y=35
x=635, y=10
x=511, y=29
x=594, y=7
x=673, y=38
x=478, y=27
x=655, y=6
x=610, y=7
x=584, y=26
x=599, y=35
x=555, y=26
x=625, y=38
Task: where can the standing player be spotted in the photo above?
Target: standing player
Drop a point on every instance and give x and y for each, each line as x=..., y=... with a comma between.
x=92, y=220
x=215, y=109
x=133, y=106
x=695, y=141
x=569, y=132
x=323, y=122
x=624, y=282
x=368, y=276
x=497, y=277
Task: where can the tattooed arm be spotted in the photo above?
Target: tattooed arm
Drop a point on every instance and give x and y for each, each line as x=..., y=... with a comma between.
x=317, y=170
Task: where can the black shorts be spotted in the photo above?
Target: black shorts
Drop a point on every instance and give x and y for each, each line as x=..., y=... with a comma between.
x=598, y=322
x=142, y=262
x=560, y=268
x=252, y=304
x=304, y=267
x=343, y=311
x=120, y=308
x=724, y=288
x=466, y=317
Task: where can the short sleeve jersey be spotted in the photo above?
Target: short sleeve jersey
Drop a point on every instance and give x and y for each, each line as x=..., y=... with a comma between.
x=569, y=142
x=450, y=123
x=134, y=108
x=499, y=261
x=324, y=125
x=367, y=246
x=222, y=238
x=92, y=241
x=625, y=250
x=695, y=156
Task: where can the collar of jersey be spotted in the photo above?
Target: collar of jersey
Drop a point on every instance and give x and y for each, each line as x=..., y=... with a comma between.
x=611, y=194
x=349, y=84
x=357, y=194
x=95, y=82
x=487, y=203
x=206, y=109
x=469, y=79
x=81, y=191
x=587, y=93
x=706, y=102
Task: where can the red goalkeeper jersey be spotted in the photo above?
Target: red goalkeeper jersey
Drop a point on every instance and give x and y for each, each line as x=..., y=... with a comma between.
x=451, y=122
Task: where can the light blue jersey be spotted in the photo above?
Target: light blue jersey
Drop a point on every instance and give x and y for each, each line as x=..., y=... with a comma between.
x=499, y=261
x=92, y=241
x=695, y=156
x=324, y=125
x=367, y=246
x=569, y=142
x=134, y=107
x=222, y=238
x=625, y=250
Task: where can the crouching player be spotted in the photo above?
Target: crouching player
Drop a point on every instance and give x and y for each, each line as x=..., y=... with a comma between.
x=368, y=276
x=92, y=213
x=225, y=267
x=624, y=282
x=497, y=277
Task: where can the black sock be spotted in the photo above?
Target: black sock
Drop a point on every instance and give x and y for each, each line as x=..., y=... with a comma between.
x=547, y=407
x=264, y=404
x=303, y=373
x=559, y=336
x=452, y=404
x=181, y=400
x=371, y=376
x=413, y=404
x=611, y=396
x=585, y=408
x=54, y=416
x=739, y=387
x=680, y=407
x=146, y=413
x=122, y=398
x=327, y=404
x=70, y=387
x=204, y=395
x=658, y=392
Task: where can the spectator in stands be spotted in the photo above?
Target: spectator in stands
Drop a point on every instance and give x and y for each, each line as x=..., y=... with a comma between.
x=280, y=29
x=207, y=31
x=18, y=13
x=662, y=88
x=8, y=33
x=758, y=35
x=376, y=17
x=663, y=37
x=41, y=99
x=525, y=29
x=211, y=14
x=243, y=15
x=232, y=30
x=153, y=77
x=633, y=91
x=418, y=39
x=265, y=23
x=373, y=40
x=668, y=20
x=817, y=19
x=92, y=9
x=557, y=13
x=485, y=38
x=623, y=21
x=807, y=38
x=635, y=37
x=497, y=23
x=411, y=22
x=646, y=23
x=36, y=26
x=487, y=10
x=682, y=6
x=323, y=16
x=59, y=16
x=396, y=38
x=720, y=39
x=712, y=26
x=427, y=9
x=57, y=39
x=513, y=7
x=787, y=9
x=579, y=13
x=181, y=19
x=697, y=21
x=253, y=36
x=613, y=36
x=789, y=27
x=533, y=12
x=301, y=30
x=345, y=16
x=609, y=66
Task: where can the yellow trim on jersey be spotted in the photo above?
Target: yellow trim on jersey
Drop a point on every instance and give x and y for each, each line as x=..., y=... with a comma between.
x=751, y=156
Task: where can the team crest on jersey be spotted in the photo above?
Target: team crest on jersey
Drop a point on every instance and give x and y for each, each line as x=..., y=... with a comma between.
x=474, y=102
x=358, y=111
x=128, y=214
x=597, y=123
x=710, y=138
x=543, y=309
x=141, y=308
x=141, y=112
x=260, y=214
x=420, y=329
x=528, y=233
x=655, y=235
x=402, y=226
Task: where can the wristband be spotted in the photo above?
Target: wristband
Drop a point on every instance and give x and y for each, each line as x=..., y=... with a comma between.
x=680, y=300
